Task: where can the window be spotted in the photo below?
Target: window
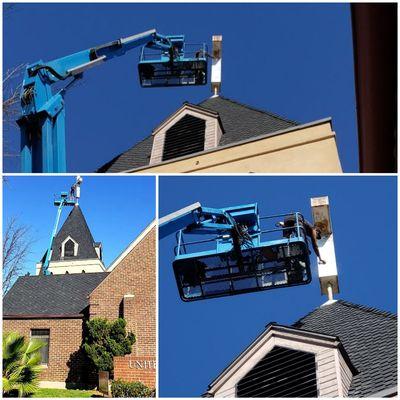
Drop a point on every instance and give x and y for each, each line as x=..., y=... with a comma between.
x=44, y=336
x=69, y=248
x=281, y=373
x=187, y=136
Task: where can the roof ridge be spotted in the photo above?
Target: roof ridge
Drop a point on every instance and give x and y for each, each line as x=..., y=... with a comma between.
x=257, y=110
x=360, y=307
x=373, y=310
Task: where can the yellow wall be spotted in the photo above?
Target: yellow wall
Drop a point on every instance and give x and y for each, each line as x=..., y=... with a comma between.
x=311, y=149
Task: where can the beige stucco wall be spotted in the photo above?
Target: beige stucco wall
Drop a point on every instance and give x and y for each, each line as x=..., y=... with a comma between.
x=309, y=149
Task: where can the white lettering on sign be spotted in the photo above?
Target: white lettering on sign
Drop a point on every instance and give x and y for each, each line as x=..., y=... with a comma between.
x=142, y=364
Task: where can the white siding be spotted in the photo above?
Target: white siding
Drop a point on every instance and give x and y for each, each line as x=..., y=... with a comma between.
x=333, y=374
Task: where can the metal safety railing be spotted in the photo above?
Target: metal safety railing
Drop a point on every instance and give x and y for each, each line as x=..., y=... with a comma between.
x=189, y=50
x=297, y=230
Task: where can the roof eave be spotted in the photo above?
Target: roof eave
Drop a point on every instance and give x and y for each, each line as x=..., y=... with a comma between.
x=43, y=316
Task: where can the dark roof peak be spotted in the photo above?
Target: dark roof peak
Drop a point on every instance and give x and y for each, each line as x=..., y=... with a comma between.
x=223, y=98
x=369, y=337
x=366, y=309
x=76, y=227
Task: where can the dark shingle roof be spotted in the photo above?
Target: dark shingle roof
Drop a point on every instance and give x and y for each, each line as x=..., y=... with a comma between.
x=75, y=226
x=136, y=157
x=243, y=122
x=368, y=335
x=239, y=121
x=51, y=294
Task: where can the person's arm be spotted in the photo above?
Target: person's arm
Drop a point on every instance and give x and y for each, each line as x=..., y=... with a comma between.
x=314, y=242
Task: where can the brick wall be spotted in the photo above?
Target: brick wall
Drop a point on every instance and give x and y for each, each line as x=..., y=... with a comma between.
x=65, y=359
x=133, y=369
x=130, y=291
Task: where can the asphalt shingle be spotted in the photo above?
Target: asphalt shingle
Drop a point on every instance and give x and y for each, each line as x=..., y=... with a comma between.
x=51, y=294
x=239, y=121
x=76, y=227
x=368, y=335
x=243, y=122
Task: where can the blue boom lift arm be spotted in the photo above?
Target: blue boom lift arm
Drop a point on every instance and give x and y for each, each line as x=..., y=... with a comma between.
x=196, y=219
x=236, y=260
x=42, y=121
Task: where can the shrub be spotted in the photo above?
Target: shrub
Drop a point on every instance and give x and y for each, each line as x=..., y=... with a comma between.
x=120, y=388
x=104, y=340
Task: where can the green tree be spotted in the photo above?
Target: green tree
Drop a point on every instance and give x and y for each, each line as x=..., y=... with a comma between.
x=21, y=365
x=104, y=340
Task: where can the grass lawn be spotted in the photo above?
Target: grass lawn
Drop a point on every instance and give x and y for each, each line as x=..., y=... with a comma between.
x=43, y=392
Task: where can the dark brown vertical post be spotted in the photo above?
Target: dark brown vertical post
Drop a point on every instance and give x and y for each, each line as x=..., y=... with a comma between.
x=375, y=57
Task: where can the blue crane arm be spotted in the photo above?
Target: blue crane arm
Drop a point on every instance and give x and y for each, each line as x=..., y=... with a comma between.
x=197, y=220
x=42, y=120
x=45, y=266
x=75, y=64
x=63, y=201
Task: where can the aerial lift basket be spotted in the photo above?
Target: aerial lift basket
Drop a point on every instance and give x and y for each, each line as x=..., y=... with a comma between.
x=184, y=65
x=282, y=260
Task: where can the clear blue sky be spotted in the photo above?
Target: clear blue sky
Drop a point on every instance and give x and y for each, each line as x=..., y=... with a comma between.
x=116, y=209
x=291, y=59
x=199, y=339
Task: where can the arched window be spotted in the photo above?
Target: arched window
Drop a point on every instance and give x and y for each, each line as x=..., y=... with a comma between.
x=69, y=248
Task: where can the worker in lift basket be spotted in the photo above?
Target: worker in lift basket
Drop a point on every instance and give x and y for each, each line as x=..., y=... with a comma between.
x=312, y=231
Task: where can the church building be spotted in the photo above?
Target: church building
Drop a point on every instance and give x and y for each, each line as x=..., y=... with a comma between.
x=55, y=306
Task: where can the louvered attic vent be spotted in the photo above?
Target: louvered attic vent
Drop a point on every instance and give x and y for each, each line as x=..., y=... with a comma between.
x=187, y=136
x=281, y=373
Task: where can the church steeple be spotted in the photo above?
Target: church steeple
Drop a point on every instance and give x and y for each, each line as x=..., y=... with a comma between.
x=73, y=249
x=74, y=240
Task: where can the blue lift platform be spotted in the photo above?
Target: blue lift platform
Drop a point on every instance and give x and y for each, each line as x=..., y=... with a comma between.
x=182, y=65
x=233, y=254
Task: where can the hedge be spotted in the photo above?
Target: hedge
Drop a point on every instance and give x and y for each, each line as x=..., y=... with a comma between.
x=120, y=388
